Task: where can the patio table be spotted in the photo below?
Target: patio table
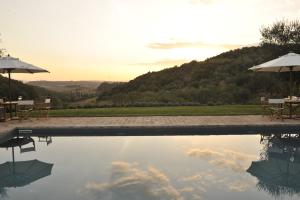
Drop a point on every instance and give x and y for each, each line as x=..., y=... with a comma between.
x=290, y=103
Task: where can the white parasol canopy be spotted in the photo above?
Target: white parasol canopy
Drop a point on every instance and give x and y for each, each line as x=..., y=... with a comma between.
x=14, y=65
x=286, y=63
x=10, y=65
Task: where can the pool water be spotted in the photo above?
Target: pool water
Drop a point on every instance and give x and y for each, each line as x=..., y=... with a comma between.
x=150, y=168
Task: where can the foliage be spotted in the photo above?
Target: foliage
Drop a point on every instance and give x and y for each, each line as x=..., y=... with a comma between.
x=107, y=86
x=30, y=92
x=223, y=79
x=160, y=111
x=281, y=32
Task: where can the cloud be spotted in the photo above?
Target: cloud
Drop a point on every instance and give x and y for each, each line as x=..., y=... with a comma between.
x=229, y=164
x=215, y=177
x=130, y=182
x=165, y=62
x=195, y=2
x=179, y=45
x=203, y=179
x=196, y=177
x=192, y=193
x=228, y=159
x=203, y=153
x=187, y=189
x=238, y=155
x=240, y=186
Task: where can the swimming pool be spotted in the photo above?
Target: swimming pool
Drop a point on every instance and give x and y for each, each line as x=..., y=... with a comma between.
x=151, y=167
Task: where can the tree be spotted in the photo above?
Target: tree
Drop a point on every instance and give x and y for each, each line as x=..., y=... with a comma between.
x=1, y=50
x=281, y=32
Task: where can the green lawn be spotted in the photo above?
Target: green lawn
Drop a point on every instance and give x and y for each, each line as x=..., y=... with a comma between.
x=160, y=111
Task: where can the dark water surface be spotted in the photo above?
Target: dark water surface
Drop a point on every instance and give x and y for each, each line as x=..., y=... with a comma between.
x=150, y=168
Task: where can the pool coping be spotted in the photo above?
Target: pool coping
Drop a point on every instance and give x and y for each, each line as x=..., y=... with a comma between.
x=149, y=126
x=152, y=130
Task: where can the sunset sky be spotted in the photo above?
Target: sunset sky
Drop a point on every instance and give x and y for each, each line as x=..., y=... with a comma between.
x=117, y=40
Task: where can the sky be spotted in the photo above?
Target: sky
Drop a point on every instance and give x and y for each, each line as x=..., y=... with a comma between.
x=117, y=40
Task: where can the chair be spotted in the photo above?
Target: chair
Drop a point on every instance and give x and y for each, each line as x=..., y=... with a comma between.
x=275, y=107
x=294, y=106
x=2, y=114
x=43, y=107
x=264, y=105
x=24, y=108
x=46, y=139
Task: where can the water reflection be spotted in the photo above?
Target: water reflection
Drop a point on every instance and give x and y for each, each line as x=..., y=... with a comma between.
x=20, y=173
x=278, y=170
x=45, y=139
x=202, y=170
x=151, y=168
x=19, y=142
x=129, y=181
x=222, y=158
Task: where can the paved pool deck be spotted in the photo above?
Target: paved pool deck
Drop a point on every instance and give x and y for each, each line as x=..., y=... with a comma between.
x=166, y=124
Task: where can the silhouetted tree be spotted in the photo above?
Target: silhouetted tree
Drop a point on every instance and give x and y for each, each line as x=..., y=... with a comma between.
x=1, y=49
x=281, y=32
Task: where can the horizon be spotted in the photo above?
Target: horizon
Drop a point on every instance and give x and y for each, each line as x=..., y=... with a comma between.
x=118, y=41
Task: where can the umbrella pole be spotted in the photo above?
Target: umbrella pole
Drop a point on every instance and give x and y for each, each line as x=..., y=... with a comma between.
x=9, y=93
x=291, y=82
x=13, y=154
x=13, y=159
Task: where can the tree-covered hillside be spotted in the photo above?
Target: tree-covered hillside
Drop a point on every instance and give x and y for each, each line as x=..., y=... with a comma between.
x=30, y=92
x=223, y=79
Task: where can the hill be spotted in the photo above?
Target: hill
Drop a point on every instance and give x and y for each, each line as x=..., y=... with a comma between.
x=67, y=86
x=31, y=92
x=79, y=93
x=223, y=79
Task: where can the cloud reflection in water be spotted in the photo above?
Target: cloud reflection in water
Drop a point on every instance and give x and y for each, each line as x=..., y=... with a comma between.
x=225, y=158
x=129, y=181
x=220, y=160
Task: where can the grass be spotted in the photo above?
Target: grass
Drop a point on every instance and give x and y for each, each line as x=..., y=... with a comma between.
x=160, y=111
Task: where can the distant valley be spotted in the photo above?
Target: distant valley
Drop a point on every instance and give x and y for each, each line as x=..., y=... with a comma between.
x=67, y=86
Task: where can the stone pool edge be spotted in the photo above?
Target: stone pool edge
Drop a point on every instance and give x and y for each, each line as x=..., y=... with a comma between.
x=151, y=130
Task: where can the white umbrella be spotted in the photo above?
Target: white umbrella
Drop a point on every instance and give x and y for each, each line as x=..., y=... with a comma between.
x=287, y=63
x=21, y=173
x=14, y=65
